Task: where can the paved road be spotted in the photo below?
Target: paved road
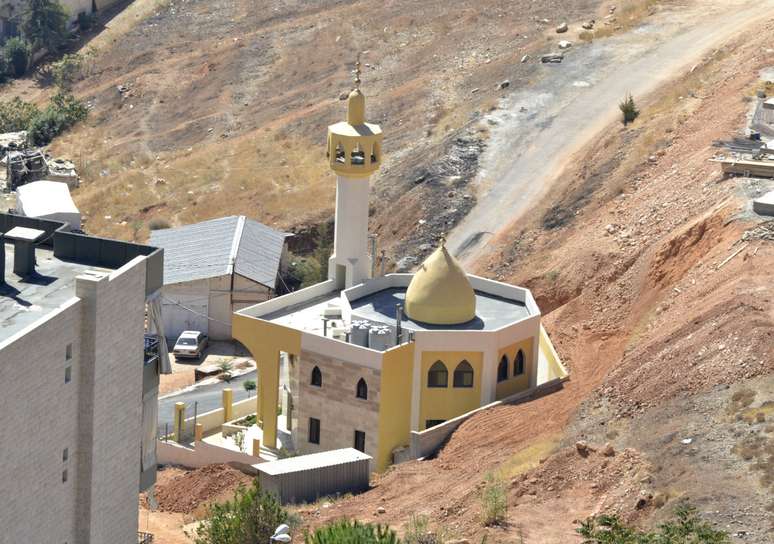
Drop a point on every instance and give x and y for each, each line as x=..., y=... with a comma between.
x=209, y=397
x=574, y=101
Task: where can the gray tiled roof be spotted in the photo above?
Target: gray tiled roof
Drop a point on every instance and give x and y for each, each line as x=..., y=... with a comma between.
x=210, y=248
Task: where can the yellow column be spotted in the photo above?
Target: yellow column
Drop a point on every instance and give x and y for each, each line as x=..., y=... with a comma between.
x=256, y=447
x=228, y=404
x=179, y=420
x=199, y=432
x=269, y=399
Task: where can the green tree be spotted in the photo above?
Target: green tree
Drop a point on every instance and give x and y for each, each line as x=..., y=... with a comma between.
x=251, y=516
x=63, y=112
x=629, y=110
x=67, y=70
x=225, y=370
x=17, y=54
x=686, y=528
x=249, y=386
x=352, y=532
x=44, y=24
x=16, y=115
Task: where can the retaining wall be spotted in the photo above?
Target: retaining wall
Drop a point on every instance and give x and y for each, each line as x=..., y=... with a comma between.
x=203, y=454
x=426, y=443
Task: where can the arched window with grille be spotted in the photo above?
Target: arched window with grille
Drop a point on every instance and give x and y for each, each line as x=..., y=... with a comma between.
x=316, y=377
x=438, y=376
x=518, y=364
x=361, y=391
x=463, y=375
x=502, y=369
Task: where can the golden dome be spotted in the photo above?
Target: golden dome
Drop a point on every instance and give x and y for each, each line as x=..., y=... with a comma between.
x=440, y=292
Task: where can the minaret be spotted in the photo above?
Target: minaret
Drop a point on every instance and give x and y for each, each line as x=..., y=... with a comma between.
x=355, y=152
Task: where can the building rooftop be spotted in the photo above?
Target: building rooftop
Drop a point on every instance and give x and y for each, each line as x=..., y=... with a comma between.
x=312, y=461
x=492, y=312
x=219, y=247
x=25, y=300
x=59, y=257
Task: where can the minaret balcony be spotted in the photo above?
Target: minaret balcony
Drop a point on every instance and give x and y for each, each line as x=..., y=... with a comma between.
x=354, y=150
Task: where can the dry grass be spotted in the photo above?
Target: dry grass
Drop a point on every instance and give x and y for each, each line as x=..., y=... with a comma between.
x=125, y=21
x=527, y=458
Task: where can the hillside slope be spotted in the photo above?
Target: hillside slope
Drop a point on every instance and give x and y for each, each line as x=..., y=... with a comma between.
x=225, y=103
x=669, y=343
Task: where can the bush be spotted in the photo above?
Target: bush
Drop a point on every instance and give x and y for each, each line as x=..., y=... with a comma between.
x=86, y=21
x=252, y=516
x=352, y=532
x=16, y=115
x=67, y=70
x=688, y=527
x=17, y=53
x=629, y=110
x=63, y=112
x=418, y=532
x=158, y=223
x=494, y=501
x=303, y=272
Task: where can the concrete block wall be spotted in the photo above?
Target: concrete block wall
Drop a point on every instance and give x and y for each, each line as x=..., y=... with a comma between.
x=38, y=416
x=112, y=329
x=340, y=412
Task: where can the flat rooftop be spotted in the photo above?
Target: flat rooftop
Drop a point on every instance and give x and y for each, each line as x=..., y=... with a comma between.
x=492, y=312
x=25, y=300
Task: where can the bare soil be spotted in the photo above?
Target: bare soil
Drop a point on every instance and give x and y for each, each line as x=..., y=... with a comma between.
x=670, y=345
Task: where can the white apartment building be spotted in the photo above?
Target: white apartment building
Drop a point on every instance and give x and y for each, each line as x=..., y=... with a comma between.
x=79, y=394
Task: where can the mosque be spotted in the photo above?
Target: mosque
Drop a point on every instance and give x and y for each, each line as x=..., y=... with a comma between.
x=361, y=361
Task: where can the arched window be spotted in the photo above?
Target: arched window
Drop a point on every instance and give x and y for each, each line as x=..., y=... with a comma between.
x=518, y=364
x=463, y=375
x=316, y=377
x=362, y=389
x=502, y=369
x=437, y=376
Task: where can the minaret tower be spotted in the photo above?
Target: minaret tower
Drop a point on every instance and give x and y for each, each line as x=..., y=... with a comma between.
x=355, y=152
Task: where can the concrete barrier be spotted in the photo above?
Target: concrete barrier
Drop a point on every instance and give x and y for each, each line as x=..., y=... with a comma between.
x=428, y=442
x=213, y=419
x=203, y=454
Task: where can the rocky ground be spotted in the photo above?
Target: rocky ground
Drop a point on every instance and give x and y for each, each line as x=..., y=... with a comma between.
x=656, y=280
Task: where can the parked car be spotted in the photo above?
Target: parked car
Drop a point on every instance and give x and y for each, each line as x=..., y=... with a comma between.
x=190, y=344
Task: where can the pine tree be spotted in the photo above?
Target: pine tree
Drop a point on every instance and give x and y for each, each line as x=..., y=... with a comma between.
x=44, y=24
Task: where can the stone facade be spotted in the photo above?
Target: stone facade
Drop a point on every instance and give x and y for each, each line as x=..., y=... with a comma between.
x=87, y=425
x=335, y=403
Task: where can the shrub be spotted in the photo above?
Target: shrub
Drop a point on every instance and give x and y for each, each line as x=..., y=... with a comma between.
x=252, y=516
x=17, y=54
x=418, y=532
x=688, y=527
x=158, y=223
x=86, y=21
x=303, y=272
x=63, y=112
x=16, y=115
x=629, y=110
x=249, y=386
x=225, y=368
x=352, y=532
x=67, y=70
x=494, y=501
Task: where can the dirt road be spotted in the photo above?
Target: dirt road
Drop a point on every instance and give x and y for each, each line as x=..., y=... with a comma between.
x=538, y=129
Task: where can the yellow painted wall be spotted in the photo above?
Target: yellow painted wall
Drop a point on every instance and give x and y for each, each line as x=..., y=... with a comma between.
x=555, y=367
x=265, y=340
x=449, y=402
x=395, y=404
x=515, y=384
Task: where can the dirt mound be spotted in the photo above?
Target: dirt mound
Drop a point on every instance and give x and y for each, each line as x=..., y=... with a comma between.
x=183, y=491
